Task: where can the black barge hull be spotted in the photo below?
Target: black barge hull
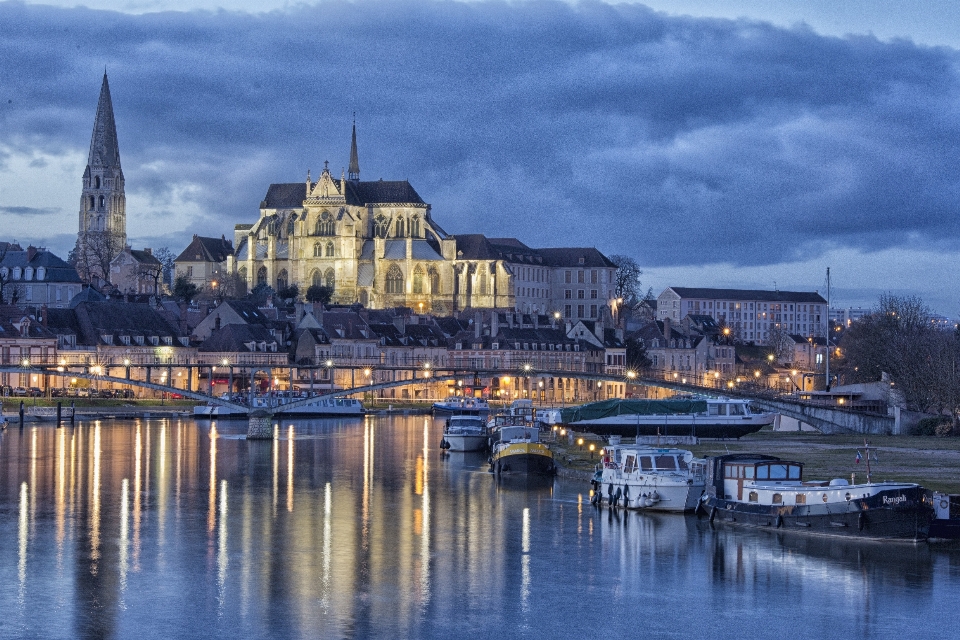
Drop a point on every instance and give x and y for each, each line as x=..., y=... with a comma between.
x=899, y=514
x=531, y=464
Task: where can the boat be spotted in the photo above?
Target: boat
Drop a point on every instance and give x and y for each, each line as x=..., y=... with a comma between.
x=649, y=478
x=465, y=433
x=764, y=491
x=946, y=516
x=322, y=406
x=48, y=413
x=462, y=405
x=696, y=417
x=517, y=449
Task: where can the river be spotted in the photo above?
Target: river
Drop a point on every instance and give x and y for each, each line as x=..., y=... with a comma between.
x=364, y=528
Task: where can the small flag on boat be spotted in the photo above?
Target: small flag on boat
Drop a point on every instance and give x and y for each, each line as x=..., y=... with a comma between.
x=859, y=457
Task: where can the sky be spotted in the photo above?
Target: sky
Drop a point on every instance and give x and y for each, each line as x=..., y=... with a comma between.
x=746, y=143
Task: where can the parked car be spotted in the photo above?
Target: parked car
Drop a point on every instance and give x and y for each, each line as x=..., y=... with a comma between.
x=20, y=392
x=35, y=392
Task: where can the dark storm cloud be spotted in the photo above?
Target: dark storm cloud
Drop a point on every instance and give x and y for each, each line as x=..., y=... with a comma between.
x=29, y=211
x=683, y=140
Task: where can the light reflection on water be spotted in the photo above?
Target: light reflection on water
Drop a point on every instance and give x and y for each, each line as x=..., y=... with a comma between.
x=366, y=528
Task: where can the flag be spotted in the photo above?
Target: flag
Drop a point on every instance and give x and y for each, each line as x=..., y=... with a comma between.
x=858, y=456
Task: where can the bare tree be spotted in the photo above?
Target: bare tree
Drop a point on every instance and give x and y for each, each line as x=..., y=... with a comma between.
x=95, y=252
x=166, y=259
x=627, y=285
x=5, y=275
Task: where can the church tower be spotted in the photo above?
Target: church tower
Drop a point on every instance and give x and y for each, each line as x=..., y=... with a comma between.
x=103, y=207
x=354, y=171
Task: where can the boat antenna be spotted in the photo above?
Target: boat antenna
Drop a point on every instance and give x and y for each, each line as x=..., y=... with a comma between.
x=867, y=447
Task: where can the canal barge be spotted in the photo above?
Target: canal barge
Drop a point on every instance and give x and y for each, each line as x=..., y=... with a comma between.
x=462, y=405
x=517, y=449
x=649, y=478
x=696, y=417
x=946, y=517
x=766, y=492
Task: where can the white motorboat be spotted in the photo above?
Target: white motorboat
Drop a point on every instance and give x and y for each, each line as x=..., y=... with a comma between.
x=696, y=417
x=462, y=405
x=465, y=433
x=650, y=478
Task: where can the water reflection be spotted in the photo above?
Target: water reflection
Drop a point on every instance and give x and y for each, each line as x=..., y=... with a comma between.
x=173, y=529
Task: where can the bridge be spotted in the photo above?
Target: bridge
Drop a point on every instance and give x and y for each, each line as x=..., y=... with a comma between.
x=826, y=419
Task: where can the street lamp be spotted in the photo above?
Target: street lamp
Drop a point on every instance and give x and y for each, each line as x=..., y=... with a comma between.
x=592, y=447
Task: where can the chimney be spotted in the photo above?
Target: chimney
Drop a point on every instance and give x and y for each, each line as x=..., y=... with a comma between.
x=31, y=252
x=495, y=324
x=598, y=328
x=44, y=315
x=666, y=329
x=298, y=311
x=148, y=251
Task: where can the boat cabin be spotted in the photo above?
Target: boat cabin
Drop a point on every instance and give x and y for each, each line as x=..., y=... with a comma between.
x=647, y=460
x=727, y=407
x=517, y=433
x=726, y=475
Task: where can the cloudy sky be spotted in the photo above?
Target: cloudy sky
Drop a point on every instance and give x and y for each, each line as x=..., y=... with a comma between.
x=745, y=143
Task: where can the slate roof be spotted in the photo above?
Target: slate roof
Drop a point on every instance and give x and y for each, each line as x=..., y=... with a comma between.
x=56, y=269
x=234, y=338
x=749, y=294
x=10, y=314
x=144, y=257
x=203, y=249
x=570, y=257
x=290, y=195
x=92, y=320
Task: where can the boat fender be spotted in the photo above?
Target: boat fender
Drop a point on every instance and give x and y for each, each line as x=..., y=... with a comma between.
x=861, y=521
x=713, y=514
x=655, y=497
x=616, y=497
x=779, y=520
x=944, y=503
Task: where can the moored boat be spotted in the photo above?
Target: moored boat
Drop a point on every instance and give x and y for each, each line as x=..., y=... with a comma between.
x=946, y=516
x=696, y=417
x=517, y=449
x=465, y=433
x=462, y=405
x=767, y=492
x=649, y=478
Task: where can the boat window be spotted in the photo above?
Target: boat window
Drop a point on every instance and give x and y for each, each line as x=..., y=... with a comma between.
x=778, y=472
x=666, y=463
x=753, y=496
x=646, y=463
x=777, y=498
x=794, y=471
x=681, y=463
x=630, y=465
x=616, y=456
x=801, y=498
x=736, y=409
x=713, y=409
x=763, y=472
x=749, y=472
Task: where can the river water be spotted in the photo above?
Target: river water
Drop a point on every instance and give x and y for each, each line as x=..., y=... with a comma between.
x=365, y=528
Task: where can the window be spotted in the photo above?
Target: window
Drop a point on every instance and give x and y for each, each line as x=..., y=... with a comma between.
x=434, y=280
x=317, y=250
x=580, y=295
x=102, y=201
x=189, y=272
x=593, y=294
x=753, y=496
x=381, y=227
x=282, y=279
x=418, y=280
x=290, y=227
x=96, y=182
x=329, y=249
x=593, y=311
x=580, y=278
x=777, y=498
x=566, y=311
x=568, y=294
x=415, y=227
x=646, y=463
x=316, y=279
x=399, y=228
x=242, y=272
x=261, y=275
x=329, y=280
x=567, y=277
x=394, y=280
x=326, y=226
x=579, y=310
x=800, y=498
x=594, y=277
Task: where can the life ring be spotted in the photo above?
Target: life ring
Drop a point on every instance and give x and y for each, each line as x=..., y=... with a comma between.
x=944, y=503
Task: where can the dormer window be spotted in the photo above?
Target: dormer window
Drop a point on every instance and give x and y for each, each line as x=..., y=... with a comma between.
x=138, y=340
x=167, y=340
x=28, y=273
x=495, y=345
x=41, y=273
x=125, y=340
x=154, y=340
x=16, y=273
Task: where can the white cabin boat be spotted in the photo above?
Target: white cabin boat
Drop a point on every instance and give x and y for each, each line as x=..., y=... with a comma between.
x=462, y=405
x=465, y=433
x=650, y=478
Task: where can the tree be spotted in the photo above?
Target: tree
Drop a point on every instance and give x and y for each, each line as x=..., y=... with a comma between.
x=289, y=294
x=184, y=291
x=94, y=253
x=166, y=259
x=261, y=292
x=637, y=359
x=627, y=278
x=319, y=293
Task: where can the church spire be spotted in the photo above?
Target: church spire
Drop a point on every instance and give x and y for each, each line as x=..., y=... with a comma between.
x=354, y=170
x=104, y=149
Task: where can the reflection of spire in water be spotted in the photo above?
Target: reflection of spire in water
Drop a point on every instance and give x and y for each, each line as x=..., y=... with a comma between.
x=22, y=536
x=525, y=561
x=276, y=466
x=137, y=491
x=425, y=530
x=95, y=516
x=212, y=502
x=327, y=545
x=124, y=535
x=163, y=489
x=290, y=468
x=222, y=550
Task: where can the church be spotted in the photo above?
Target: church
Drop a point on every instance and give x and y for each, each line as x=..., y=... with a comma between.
x=376, y=243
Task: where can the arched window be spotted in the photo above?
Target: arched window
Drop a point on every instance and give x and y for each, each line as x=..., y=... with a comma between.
x=394, y=280
x=262, y=275
x=93, y=203
x=282, y=279
x=381, y=227
x=329, y=280
x=330, y=249
x=418, y=279
x=28, y=273
x=434, y=281
x=96, y=182
x=242, y=272
x=290, y=227
x=41, y=273
x=102, y=201
x=317, y=250
x=316, y=279
x=364, y=298
x=415, y=227
x=326, y=225
x=399, y=232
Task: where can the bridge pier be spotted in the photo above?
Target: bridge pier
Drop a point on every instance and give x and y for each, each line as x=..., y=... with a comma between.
x=260, y=426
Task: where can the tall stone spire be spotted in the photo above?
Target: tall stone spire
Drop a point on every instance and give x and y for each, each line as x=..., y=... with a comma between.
x=103, y=204
x=353, y=173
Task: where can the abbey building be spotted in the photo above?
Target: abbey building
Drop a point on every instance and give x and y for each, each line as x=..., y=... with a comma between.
x=376, y=243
